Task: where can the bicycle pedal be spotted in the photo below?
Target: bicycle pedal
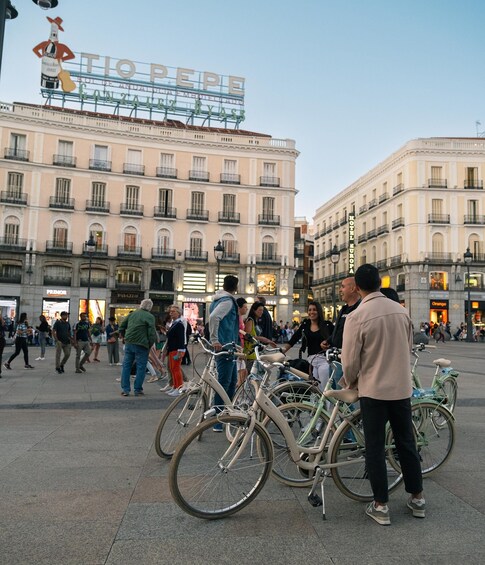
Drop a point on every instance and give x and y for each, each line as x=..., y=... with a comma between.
x=315, y=500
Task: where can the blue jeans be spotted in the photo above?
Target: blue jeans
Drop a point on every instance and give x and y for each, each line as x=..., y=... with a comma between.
x=227, y=376
x=138, y=354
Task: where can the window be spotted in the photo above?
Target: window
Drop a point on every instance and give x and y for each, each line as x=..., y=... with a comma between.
x=197, y=202
x=98, y=193
x=268, y=248
x=133, y=157
x=63, y=190
x=472, y=208
x=166, y=160
x=65, y=148
x=163, y=240
x=436, y=206
x=199, y=164
x=229, y=205
x=129, y=239
x=57, y=274
x=132, y=197
x=128, y=276
x=11, y=230
x=15, y=184
x=165, y=199
x=268, y=207
x=196, y=244
x=471, y=176
x=437, y=245
x=161, y=279
x=230, y=166
x=60, y=234
x=96, y=230
x=100, y=153
x=269, y=169
x=438, y=280
x=230, y=245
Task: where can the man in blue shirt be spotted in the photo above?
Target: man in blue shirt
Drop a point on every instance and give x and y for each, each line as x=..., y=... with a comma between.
x=82, y=342
x=224, y=328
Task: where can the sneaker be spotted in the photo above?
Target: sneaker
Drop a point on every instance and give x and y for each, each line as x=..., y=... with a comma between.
x=62, y=368
x=139, y=393
x=111, y=364
x=166, y=388
x=39, y=358
x=58, y=370
x=29, y=367
x=118, y=379
x=83, y=369
x=217, y=428
x=379, y=513
x=7, y=366
x=152, y=380
x=78, y=371
x=417, y=506
x=125, y=393
x=119, y=364
x=175, y=392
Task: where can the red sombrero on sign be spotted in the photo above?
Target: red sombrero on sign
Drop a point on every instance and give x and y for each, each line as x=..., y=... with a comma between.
x=57, y=21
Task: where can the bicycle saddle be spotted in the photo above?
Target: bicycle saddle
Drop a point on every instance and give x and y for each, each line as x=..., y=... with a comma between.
x=442, y=362
x=349, y=395
x=272, y=358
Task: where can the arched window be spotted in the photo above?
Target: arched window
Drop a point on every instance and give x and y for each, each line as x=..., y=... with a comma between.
x=130, y=238
x=163, y=240
x=437, y=243
x=399, y=246
x=230, y=245
x=373, y=254
x=476, y=246
x=384, y=250
x=196, y=241
x=59, y=233
x=96, y=230
x=11, y=230
x=268, y=248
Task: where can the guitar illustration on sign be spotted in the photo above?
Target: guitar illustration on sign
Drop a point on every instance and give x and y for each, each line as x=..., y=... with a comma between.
x=53, y=54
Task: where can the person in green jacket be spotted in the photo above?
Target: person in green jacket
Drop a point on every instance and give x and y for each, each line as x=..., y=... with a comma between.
x=139, y=334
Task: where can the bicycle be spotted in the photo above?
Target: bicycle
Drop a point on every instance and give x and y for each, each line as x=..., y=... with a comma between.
x=444, y=387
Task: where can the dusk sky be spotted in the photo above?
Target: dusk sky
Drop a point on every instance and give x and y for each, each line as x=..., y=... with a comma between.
x=350, y=81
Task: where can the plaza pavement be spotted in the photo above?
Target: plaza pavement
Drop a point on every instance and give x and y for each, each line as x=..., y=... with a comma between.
x=81, y=484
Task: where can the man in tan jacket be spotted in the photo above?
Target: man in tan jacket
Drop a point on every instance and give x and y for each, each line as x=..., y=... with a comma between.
x=375, y=358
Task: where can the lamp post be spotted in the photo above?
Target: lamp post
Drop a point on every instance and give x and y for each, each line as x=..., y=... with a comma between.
x=334, y=257
x=218, y=254
x=90, y=248
x=467, y=257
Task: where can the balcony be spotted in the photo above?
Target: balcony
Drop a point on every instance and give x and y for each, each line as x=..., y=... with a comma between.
x=97, y=206
x=133, y=169
x=383, y=197
x=159, y=253
x=61, y=203
x=229, y=217
x=57, y=281
x=128, y=251
x=127, y=209
x=439, y=257
x=381, y=230
x=269, y=181
x=230, y=258
x=197, y=214
x=363, y=209
x=373, y=203
x=12, y=278
x=478, y=257
x=343, y=221
x=196, y=255
x=382, y=264
x=230, y=178
x=99, y=165
x=64, y=160
x=473, y=184
x=397, y=223
x=268, y=220
x=93, y=283
x=13, y=197
x=371, y=234
x=128, y=286
x=100, y=250
x=362, y=238
x=268, y=259
x=398, y=189
x=16, y=154
x=395, y=260
x=401, y=287
x=12, y=244
x=437, y=183
x=166, y=172
x=299, y=250
x=200, y=176
x=475, y=219
x=335, y=225
x=58, y=247
x=164, y=212
x=438, y=218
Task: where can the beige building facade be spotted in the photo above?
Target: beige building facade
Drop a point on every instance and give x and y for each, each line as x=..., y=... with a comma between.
x=413, y=216
x=157, y=197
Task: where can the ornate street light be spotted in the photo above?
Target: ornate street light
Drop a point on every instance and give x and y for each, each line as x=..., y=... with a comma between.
x=90, y=248
x=218, y=254
x=468, y=257
x=46, y=4
x=335, y=258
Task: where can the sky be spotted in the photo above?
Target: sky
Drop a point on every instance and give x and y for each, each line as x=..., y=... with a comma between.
x=351, y=81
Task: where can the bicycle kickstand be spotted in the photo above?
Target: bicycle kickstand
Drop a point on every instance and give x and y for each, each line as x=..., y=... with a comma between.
x=313, y=498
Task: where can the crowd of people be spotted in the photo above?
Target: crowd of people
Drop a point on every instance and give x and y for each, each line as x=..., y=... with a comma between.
x=441, y=331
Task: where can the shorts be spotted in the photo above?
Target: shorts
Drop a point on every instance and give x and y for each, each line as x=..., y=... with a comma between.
x=97, y=338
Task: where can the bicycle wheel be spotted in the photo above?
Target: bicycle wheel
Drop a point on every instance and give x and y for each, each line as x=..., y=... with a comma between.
x=348, y=452
x=298, y=417
x=294, y=391
x=185, y=412
x=435, y=436
x=448, y=388
x=213, y=478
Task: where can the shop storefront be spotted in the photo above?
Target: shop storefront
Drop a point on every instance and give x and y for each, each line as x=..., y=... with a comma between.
x=97, y=309
x=195, y=313
x=438, y=311
x=55, y=302
x=161, y=303
x=123, y=302
x=478, y=312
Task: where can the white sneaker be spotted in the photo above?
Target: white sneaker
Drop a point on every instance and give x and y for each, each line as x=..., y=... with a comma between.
x=111, y=364
x=118, y=379
x=119, y=364
x=169, y=390
x=39, y=358
x=166, y=388
x=175, y=392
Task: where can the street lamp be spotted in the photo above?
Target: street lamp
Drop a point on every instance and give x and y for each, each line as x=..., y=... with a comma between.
x=467, y=257
x=46, y=4
x=334, y=257
x=90, y=248
x=218, y=254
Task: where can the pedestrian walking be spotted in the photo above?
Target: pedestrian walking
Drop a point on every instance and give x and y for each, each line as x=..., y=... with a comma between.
x=61, y=332
x=21, y=334
x=3, y=331
x=97, y=330
x=82, y=342
x=43, y=328
x=112, y=341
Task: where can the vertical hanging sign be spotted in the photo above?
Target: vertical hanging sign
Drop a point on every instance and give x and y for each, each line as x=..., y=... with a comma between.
x=351, y=244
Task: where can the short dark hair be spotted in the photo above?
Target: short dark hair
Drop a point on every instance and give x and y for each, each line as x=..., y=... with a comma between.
x=367, y=278
x=64, y=313
x=391, y=293
x=230, y=283
x=241, y=301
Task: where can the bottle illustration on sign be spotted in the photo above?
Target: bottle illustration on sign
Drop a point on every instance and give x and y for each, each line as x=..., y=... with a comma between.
x=53, y=54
